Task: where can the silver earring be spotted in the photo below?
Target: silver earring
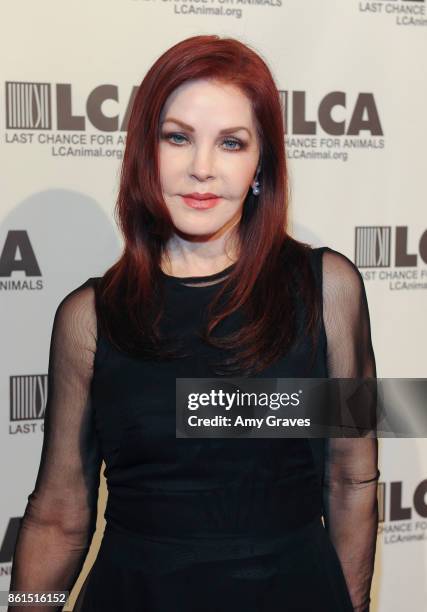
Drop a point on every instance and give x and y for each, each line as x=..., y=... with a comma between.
x=255, y=188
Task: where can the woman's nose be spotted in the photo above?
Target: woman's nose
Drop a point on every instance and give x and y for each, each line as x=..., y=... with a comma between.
x=202, y=163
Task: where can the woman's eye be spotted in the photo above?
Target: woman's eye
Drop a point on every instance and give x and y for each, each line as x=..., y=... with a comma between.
x=236, y=145
x=234, y=142
x=170, y=136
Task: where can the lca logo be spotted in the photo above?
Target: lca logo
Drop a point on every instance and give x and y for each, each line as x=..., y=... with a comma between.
x=373, y=247
x=29, y=106
x=361, y=116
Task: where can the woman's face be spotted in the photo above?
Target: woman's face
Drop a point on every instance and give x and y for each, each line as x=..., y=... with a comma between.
x=201, y=151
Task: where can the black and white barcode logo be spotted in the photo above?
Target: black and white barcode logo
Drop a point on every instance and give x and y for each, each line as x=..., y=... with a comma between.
x=28, y=395
x=389, y=254
x=372, y=247
x=28, y=106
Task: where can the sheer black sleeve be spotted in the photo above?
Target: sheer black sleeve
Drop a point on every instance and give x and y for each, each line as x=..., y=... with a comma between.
x=351, y=464
x=60, y=516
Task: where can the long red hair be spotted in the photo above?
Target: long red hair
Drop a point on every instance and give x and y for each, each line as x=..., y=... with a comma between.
x=272, y=267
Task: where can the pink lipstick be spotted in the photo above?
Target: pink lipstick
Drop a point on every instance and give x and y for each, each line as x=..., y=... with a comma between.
x=201, y=201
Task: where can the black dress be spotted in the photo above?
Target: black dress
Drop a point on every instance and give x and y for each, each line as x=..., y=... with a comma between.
x=202, y=525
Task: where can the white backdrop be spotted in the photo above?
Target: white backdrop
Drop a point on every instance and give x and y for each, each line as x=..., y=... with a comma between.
x=353, y=81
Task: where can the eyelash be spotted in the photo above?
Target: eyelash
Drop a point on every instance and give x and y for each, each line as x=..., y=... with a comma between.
x=169, y=135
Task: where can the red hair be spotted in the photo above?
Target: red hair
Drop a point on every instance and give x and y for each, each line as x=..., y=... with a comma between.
x=264, y=280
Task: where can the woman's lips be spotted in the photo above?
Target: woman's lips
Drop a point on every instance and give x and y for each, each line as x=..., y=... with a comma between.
x=193, y=203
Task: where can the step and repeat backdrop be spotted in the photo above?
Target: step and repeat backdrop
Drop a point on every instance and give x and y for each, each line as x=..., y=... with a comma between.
x=352, y=77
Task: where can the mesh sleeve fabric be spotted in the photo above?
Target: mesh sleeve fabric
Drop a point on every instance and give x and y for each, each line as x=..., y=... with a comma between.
x=60, y=516
x=351, y=464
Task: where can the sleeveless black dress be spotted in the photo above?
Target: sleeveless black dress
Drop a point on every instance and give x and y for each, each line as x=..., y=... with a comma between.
x=208, y=525
x=203, y=524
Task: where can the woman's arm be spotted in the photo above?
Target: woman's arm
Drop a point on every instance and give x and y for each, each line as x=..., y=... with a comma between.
x=351, y=464
x=60, y=516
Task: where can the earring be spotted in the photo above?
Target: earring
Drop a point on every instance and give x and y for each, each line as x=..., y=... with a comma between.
x=255, y=188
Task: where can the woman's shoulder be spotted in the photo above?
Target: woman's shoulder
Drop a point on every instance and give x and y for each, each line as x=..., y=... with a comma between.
x=336, y=265
x=77, y=308
x=74, y=329
x=93, y=281
x=341, y=279
x=81, y=296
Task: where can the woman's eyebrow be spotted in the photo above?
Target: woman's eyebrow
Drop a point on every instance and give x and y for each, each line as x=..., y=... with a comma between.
x=191, y=129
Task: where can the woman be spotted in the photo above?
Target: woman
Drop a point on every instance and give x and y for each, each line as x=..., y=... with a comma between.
x=209, y=284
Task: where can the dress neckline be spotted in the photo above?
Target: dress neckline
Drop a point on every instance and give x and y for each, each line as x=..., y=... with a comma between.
x=182, y=280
